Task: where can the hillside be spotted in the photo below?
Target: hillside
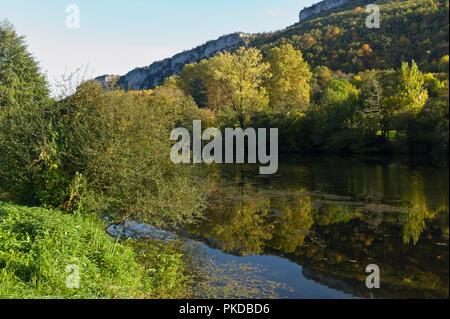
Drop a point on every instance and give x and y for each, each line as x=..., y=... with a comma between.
x=409, y=30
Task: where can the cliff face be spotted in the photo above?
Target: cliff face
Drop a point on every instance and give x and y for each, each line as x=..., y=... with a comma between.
x=154, y=74
x=320, y=7
x=106, y=80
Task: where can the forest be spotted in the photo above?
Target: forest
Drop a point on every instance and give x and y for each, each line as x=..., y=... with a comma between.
x=319, y=110
x=339, y=39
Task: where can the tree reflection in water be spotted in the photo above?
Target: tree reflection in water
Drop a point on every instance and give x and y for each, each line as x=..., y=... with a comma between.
x=336, y=236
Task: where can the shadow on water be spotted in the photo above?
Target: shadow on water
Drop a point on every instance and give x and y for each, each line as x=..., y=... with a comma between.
x=318, y=223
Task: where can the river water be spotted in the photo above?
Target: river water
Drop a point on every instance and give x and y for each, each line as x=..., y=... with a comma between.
x=315, y=226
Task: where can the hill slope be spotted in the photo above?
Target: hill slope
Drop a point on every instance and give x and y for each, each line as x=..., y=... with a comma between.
x=409, y=30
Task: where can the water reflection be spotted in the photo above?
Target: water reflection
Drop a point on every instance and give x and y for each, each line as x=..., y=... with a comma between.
x=238, y=225
x=334, y=217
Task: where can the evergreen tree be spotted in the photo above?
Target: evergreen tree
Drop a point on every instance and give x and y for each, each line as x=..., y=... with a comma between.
x=21, y=83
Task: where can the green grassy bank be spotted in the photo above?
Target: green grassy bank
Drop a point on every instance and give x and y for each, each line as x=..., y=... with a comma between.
x=36, y=246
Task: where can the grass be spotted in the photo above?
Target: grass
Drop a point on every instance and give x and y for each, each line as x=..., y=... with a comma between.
x=36, y=246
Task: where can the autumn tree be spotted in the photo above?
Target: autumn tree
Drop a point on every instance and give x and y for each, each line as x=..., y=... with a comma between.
x=411, y=91
x=289, y=84
x=240, y=77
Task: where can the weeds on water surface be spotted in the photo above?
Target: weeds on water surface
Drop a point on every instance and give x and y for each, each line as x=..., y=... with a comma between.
x=210, y=278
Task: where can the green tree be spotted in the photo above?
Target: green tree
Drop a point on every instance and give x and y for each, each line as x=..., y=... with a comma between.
x=372, y=97
x=26, y=141
x=339, y=92
x=411, y=91
x=118, y=141
x=289, y=83
x=338, y=108
x=240, y=77
x=21, y=83
x=443, y=64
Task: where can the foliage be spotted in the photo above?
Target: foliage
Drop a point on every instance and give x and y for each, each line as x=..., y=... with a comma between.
x=119, y=142
x=323, y=111
x=339, y=39
x=413, y=95
x=289, y=83
x=27, y=157
x=116, y=143
x=239, y=77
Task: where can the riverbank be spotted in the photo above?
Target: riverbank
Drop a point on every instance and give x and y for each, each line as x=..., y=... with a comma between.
x=51, y=254
x=48, y=254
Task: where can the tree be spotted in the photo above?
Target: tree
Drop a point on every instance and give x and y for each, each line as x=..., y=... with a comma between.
x=390, y=104
x=26, y=141
x=443, y=64
x=322, y=74
x=289, y=83
x=240, y=77
x=118, y=142
x=21, y=83
x=339, y=92
x=411, y=91
x=372, y=97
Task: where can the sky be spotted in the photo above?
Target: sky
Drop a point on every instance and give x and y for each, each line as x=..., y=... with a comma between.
x=116, y=36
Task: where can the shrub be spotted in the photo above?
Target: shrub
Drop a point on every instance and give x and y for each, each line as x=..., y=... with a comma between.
x=120, y=143
x=107, y=152
x=28, y=163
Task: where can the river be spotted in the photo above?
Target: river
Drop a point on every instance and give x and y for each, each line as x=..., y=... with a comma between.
x=316, y=225
x=311, y=230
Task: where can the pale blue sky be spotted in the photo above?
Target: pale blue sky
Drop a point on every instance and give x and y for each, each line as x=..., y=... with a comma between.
x=116, y=36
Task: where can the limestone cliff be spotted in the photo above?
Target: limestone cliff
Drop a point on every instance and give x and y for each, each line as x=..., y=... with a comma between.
x=150, y=76
x=106, y=80
x=154, y=74
x=321, y=7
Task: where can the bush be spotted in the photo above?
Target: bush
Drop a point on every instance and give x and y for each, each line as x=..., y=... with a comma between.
x=120, y=143
x=107, y=152
x=27, y=157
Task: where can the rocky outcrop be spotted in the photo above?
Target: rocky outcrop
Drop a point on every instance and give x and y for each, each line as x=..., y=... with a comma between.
x=321, y=7
x=107, y=80
x=154, y=74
